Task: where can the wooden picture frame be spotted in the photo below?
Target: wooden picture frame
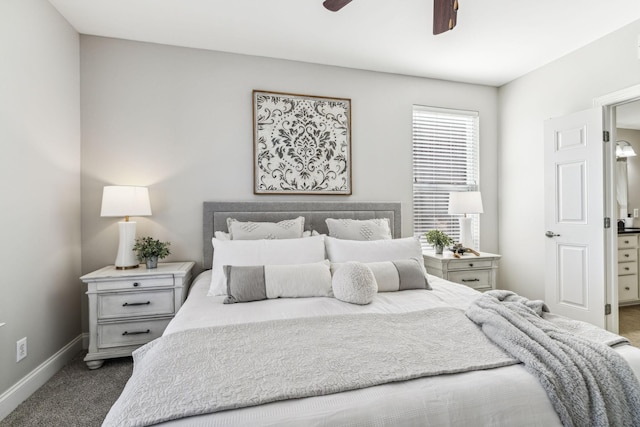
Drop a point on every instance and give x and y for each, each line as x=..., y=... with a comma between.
x=301, y=144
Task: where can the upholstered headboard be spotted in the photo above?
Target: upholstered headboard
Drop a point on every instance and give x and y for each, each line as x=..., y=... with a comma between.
x=215, y=214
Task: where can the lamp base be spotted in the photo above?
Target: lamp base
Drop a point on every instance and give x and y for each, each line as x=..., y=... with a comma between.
x=128, y=267
x=125, y=258
x=466, y=238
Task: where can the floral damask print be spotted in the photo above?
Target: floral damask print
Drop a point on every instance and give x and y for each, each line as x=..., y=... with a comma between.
x=302, y=144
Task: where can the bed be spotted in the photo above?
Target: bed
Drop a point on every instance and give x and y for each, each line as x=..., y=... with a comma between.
x=430, y=387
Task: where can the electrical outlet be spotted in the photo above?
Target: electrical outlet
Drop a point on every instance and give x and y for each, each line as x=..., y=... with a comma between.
x=636, y=213
x=21, y=349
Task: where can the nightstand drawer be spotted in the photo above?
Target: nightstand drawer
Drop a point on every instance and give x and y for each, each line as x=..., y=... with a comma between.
x=627, y=288
x=130, y=333
x=466, y=264
x=627, y=255
x=135, y=283
x=132, y=304
x=626, y=268
x=473, y=279
x=630, y=241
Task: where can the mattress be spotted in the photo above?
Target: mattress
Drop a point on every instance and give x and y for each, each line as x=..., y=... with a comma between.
x=503, y=396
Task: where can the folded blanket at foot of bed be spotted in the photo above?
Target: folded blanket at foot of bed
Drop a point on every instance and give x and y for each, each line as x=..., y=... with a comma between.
x=587, y=382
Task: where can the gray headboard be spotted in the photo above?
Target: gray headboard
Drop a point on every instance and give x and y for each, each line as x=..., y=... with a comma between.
x=215, y=214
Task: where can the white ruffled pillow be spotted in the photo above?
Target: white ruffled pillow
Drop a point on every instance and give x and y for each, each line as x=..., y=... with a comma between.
x=353, y=282
x=357, y=229
x=250, y=230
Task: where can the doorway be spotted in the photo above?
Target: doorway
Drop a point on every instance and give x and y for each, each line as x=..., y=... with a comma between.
x=621, y=116
x=627, y=144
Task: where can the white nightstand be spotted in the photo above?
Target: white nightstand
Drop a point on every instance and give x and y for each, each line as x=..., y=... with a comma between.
x=129, y=308
x=477, y=272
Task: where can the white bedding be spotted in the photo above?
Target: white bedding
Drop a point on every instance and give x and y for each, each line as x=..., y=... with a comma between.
x=507, y=396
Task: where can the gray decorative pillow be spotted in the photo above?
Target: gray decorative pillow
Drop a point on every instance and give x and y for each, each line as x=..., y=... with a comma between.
x=355, y=229
x=353, y=282
x=287, y=229
x=399, y=275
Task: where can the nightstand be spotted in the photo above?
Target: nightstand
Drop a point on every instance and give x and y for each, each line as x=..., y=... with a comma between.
x=129, y=308
x=477, y=272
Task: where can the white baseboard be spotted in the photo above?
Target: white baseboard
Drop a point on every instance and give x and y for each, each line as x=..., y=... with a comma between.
x=20, y=391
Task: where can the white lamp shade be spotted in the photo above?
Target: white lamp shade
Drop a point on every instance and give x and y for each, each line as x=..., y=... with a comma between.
x=465, y=202
x=124, y=201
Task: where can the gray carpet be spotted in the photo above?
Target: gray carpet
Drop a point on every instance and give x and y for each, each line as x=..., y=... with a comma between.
x=75, y=396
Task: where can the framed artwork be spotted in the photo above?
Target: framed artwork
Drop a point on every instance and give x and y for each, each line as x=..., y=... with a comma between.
x=301, y=144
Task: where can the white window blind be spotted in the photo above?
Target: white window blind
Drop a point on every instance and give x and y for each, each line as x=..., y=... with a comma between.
x=445, y=159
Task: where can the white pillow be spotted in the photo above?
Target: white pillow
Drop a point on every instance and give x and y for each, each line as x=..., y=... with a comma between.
x=339, y=250
x=355, y=229
x=353, y=282
x=286, y=229
x=254, y=283
x=221, y=235
x=261, y=252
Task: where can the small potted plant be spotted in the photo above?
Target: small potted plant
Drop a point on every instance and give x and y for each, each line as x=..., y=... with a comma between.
x=438, y=239
x=151, y=250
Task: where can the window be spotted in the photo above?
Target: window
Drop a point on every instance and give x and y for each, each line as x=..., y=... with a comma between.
x=445, y=159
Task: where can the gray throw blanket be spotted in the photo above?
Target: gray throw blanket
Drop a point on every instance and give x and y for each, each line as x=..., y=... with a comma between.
x=205, y=370
x=588, y=383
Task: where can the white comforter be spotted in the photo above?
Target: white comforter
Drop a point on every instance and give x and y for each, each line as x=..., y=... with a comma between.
x=507, y=396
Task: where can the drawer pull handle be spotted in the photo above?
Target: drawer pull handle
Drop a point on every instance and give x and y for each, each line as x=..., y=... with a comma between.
x=627, y=288
x=136, y=284
x=626, y=255
x=129, y=304
x=470, y=265
x=626, y=241
x=136, y=332
x=470, y=280
x=627, y=268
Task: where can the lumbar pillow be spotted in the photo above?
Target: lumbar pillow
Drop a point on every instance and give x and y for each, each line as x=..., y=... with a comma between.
x=261, y=252
x=254, y=283
x=287, y=229
x=399, y=275
x=339, y=250
x=354, y=229
x=354, y=282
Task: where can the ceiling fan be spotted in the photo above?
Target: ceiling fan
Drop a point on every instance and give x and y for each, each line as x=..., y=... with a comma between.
x=444, y=13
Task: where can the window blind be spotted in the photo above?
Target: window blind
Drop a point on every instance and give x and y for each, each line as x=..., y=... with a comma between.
x=445, y=159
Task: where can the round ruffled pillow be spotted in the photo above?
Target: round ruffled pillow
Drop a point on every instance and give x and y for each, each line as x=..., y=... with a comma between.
x=354, y=282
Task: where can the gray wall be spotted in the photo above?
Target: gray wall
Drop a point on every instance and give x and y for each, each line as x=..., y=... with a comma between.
x=567, y=85
x=180, y=121
x=39, y=184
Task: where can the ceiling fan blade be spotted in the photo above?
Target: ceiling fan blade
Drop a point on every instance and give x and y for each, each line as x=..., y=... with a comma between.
x=445, y=13
x=335, y=5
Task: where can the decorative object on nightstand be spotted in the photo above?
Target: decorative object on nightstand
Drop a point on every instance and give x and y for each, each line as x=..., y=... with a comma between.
x=129, y=308
x=465, y=202
x=438, y=239
x=150, y=250
x=476, y=271
x=125, y=201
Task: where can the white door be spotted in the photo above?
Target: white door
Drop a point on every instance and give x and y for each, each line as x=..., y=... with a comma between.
x=574, y=216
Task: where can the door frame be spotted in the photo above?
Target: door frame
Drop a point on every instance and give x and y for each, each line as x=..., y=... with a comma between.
x=608, y=103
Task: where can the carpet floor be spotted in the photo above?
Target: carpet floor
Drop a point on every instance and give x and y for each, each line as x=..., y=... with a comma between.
x=74, y=397
x=629, y=323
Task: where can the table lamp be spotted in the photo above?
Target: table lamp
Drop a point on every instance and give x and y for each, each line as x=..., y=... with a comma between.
x=125, y=201
x=466, y=202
